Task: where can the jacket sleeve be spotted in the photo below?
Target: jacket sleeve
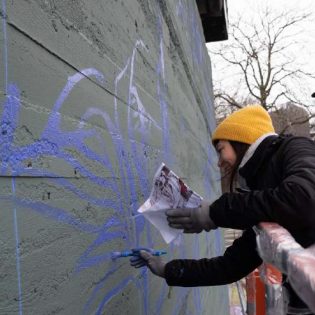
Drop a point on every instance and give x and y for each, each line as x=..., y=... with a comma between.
x=238, y=260
x=290, y=204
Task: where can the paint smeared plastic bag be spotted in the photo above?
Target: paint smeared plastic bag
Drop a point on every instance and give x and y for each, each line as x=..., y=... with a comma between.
x=168, y=192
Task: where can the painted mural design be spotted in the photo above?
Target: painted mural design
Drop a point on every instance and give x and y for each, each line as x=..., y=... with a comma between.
x=127, y=179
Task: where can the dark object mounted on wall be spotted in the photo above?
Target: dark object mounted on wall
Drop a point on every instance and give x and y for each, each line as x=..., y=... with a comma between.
x=313, y=95
x=213, y=14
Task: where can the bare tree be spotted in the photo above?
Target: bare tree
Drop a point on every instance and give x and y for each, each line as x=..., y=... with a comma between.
x=258, y=56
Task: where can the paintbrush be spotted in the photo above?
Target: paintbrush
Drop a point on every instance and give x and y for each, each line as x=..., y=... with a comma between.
x=128, y=253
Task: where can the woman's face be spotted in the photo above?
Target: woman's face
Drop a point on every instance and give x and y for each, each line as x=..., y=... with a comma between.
x=227, y=156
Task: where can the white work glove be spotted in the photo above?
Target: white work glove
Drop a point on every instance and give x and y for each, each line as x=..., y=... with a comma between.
x=154, y=263
x=191, y=220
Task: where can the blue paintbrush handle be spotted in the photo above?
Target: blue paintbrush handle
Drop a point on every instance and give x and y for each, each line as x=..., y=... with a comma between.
x=127, y=253
x=154, y=253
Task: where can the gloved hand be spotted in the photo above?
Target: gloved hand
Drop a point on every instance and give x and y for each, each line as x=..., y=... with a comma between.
x=155, y=263
x=191, y=220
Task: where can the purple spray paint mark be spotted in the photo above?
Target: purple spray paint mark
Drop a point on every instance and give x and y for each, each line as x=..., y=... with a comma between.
x=161, y=94
x=9, y=120
x=97, y=288
x=189, y=18
x=196, y=291
x=5, y=45
x=7, y=128
x=54, y=141
x=17, y=250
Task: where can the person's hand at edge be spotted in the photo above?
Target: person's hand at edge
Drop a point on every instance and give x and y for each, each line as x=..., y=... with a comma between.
x=145, y=258
x=191, y=220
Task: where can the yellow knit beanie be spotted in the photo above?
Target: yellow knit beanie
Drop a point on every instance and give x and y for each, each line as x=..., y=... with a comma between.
x=245, y=125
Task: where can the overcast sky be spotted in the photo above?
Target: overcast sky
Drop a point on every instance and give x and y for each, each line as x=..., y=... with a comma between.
x=306, y=51
x=246, y=7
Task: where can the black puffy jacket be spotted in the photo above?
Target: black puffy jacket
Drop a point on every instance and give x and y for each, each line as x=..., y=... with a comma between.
x=281, y=178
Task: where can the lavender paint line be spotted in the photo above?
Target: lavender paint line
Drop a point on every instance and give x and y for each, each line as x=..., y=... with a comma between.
x=123, y=161
x=112, y=293
x=208, y=187
x=144, y=116
x=196, y=36
x=143, y=286
x=179, y=9
x=180, y=292
x=99, y=286
x=140, y=225
x=218, y=244
x=140, y=112
x=65, y=157
x=59, y=216
x=109, y=295
x=101, y=202
x=11, y=111
x=38, y=148
x=55, y=213
x=119, y=142
x=197, y=300
x=188, y=17
x=196, y=247
x=161, y=299
x=87, y=261
x=54, y=153
x=5, y=44
x=110, y=126
x=135, y=156
x=102, y=238
x=196, y=291
x=208, y=242
x=139, y=163
x=8, y=123
x=16, y=156
x=212, y=173
x=141, y=283
x=17, y=250
x=96, y=179
x=181, y=295
x=161, y=91
x=76, y=138
x=94, y=111
x=148, y=233
x=93, y=261
x=54, y=119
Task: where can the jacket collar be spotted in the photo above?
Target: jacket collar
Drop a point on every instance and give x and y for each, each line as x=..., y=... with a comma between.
x=257, y=157
x=251, y=150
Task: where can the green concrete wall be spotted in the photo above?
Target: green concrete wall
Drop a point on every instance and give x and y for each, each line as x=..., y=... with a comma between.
x=94, y=95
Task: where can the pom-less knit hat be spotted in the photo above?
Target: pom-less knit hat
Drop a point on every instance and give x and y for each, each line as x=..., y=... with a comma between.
x=245, y=125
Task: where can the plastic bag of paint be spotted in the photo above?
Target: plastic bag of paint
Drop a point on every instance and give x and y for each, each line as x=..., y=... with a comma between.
x=168, y=192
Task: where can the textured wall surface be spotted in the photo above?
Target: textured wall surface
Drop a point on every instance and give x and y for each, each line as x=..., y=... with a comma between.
x=94, y=95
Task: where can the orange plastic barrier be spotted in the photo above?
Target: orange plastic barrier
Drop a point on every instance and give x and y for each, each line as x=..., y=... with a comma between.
x=277, y=246
x=255, y=288
x=270, y=274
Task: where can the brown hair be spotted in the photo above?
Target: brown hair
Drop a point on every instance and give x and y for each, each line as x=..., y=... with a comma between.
x=240, y=149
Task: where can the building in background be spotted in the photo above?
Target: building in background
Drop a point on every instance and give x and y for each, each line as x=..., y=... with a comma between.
x=291, y=119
